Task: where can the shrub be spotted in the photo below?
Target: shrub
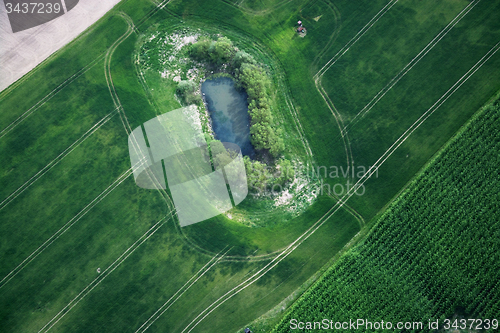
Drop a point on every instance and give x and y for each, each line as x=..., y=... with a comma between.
x=286, y=172
x=186, y=90
x=258, y=175
x=242, y=57
x=223, y=51
x=260, y=178
x=199, y=50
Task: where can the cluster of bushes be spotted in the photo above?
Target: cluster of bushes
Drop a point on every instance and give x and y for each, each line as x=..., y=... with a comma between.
x=217, y=52
x=222, y=55
x=251, y=77
x=262, y=179
x=264, y=135
x=187, y=91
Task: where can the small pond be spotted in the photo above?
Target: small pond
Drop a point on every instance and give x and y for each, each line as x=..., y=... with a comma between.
x=228, y=109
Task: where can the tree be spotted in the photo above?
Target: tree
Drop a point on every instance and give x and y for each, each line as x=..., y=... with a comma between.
x=258, y=175
x=222, y=51
x=260, y=134
x=186, y=86
x=276, y=143
x=261, y=116
x=186, y=89
x=253, y=79
x=242, y=57
x=220, y=155
x=199, y=50
x=286, y=172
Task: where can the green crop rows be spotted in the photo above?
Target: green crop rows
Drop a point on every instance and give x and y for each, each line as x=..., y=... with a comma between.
x=434, y=253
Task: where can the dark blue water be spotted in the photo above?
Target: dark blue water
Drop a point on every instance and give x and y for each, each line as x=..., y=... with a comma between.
x=228, y=109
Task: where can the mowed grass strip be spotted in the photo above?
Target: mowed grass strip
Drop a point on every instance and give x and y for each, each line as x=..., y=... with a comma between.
x=218, y=232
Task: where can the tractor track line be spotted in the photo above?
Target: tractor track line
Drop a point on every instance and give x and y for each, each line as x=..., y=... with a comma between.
x=94, y=202
x=318, y=76
x=353, y=40
x=184, y=288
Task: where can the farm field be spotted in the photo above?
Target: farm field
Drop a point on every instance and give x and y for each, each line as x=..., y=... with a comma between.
x=377, y=84
x=434, y=251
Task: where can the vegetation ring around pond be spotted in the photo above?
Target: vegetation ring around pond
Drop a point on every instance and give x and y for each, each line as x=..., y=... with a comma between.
x=183, y=60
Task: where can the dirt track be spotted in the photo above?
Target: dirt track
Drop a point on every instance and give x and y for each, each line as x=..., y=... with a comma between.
x=22, y=51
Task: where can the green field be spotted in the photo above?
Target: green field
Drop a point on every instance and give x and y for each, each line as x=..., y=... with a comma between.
x=433, y=254
x=69, y=204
